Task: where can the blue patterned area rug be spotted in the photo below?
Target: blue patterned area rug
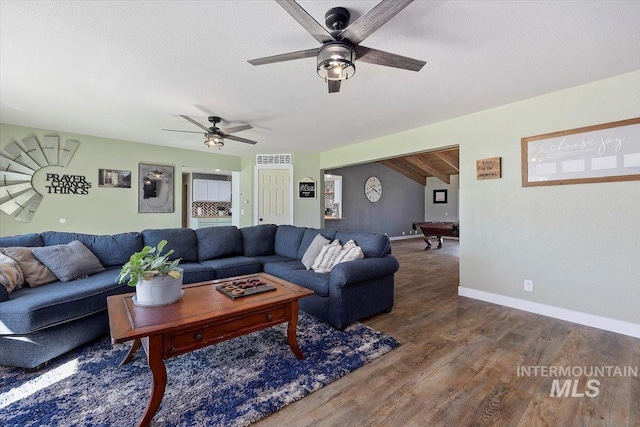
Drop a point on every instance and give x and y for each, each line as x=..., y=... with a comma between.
x=233, y=383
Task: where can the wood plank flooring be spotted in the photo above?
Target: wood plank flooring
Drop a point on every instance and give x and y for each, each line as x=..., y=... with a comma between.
x=458, y=363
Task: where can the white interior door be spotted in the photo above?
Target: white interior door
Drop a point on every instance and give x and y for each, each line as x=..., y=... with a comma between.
x=274, y=196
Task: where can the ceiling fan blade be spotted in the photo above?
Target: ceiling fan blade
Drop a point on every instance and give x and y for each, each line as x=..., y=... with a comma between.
x=285, y=57
x=237, y=138
x=308, y=23
x=372, y=20
x=334, y=86
x=237, y=128
x=380, y=57
x=194, y=122
x=186, y=131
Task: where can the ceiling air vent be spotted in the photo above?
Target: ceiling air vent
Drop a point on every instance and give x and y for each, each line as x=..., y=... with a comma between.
x=273, y=159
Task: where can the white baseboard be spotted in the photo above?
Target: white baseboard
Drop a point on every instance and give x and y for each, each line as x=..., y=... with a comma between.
x=600, y=322
x=410, y=236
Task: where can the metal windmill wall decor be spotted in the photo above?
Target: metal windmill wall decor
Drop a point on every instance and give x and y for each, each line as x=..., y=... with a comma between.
x=18, y=164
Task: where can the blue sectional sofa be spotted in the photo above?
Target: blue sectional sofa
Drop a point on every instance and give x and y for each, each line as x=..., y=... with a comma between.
x=38, y=324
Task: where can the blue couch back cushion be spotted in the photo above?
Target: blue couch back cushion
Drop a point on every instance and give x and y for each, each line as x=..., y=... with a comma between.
x=30, y=240
x=288, y=239
x=182, y=240
x=258, y=240
x=111, y=250
x=374, y=245
x=310, y=234
x=218, y=242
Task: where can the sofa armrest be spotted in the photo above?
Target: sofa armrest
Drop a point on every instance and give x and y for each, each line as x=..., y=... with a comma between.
x=360, y=270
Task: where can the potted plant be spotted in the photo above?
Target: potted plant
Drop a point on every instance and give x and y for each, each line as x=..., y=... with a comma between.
x=158, y=280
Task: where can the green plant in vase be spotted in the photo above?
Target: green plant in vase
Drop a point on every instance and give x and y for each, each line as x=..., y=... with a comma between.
x=148, y=263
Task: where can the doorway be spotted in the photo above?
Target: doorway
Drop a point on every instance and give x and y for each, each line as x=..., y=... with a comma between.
x=274, y=196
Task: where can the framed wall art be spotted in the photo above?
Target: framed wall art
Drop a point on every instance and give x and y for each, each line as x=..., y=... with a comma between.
x=601, y=153
x=439, y=196
x=112, y=178
x=155, y=188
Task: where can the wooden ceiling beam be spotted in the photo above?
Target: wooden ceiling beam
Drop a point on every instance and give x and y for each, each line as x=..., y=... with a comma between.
x=452, y=158
x=442, y=176
x=391, y=164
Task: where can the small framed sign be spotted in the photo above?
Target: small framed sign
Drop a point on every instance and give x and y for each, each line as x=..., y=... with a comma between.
x=489, y=168
x=307, y=189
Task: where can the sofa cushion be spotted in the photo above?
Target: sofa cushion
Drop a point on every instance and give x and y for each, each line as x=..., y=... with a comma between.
x=183, y=241
x=218, y=242
x=194, y=272
x=317, y=282
x=281, y=269
x=268, y=259
x=10, y=274
x=310, y=234
x=70, y=261
x=234, y=266
x=259, y=240
x=34, y=309
x=111, y=250
x=27, y=240
x=35, y=273
x=374, y=245
x=313, y=250
x=288, y=239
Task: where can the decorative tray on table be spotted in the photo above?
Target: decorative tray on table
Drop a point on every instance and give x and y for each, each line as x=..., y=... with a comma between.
x=244, y=287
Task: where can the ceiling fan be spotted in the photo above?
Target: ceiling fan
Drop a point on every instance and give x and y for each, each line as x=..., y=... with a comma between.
x=342, y=47
x=214, y=135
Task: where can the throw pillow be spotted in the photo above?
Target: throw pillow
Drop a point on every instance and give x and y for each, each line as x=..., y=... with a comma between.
x=325, y=260
x=350, y=252
x=70, y=261
x=10, y=274
x=334, y=253
x=313, y=250
x=35, y=273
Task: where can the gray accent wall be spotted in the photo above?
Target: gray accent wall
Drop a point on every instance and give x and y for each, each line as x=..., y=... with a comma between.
x=401, y=204
x=445, y=212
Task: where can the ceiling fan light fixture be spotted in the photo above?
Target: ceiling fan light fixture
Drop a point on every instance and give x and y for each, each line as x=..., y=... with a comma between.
x=336, y=61
x=214, y=140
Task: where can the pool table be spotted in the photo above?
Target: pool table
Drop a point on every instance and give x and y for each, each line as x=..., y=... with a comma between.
x=438, y=229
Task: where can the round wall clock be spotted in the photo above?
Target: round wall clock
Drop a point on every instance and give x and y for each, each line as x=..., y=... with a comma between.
x=373, y=189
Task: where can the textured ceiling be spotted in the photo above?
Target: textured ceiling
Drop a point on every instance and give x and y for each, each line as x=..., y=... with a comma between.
x=127, y=69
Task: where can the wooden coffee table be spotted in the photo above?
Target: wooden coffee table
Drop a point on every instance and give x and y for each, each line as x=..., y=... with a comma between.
x=204, y=316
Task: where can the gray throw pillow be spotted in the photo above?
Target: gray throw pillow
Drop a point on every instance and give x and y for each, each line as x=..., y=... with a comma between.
x=313, y=250
x=70, y=261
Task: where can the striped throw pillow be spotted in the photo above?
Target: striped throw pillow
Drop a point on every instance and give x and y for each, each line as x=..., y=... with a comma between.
x=332, y=254
x=324, y=262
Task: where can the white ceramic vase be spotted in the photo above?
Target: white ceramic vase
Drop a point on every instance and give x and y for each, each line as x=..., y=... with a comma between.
x=159, y=290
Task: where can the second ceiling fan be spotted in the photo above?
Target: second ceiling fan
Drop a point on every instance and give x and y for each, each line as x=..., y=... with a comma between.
x=214, y=136
x=339, y=51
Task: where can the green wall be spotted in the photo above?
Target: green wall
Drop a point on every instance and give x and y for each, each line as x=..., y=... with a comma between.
x=580, y=244
x=104, y=210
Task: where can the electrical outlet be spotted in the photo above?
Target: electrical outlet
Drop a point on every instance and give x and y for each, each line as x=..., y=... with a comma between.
x=528, y=285
x=403, y=233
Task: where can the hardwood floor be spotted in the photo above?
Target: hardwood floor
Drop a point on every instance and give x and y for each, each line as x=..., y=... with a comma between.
x=459, y=358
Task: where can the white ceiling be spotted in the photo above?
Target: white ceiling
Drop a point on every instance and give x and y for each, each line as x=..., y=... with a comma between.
x=127, y=69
